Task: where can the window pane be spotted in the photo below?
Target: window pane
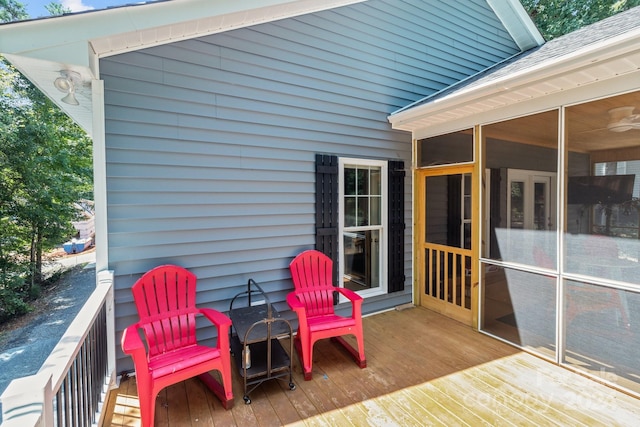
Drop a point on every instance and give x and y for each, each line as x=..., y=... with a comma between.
x=520, y=196
x=350, y=211
x=376, y=214
x=363, y=182
x=603, y=190
x=437, y=216
x=520, y=307
x=467, y=236
x=599, y=330
x=362, y=260
x=446, y=203
x=605, y=257
x=517, y=205
x=541, y=214
x=445, y=149
x=363, y=211
x=375, y=183
x=467, y=207
x=349, y=181
x=467, y=196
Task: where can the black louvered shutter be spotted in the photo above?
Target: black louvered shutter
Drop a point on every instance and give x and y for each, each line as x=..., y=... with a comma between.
x=327, y=209
x=327, y=217
x=396, y=226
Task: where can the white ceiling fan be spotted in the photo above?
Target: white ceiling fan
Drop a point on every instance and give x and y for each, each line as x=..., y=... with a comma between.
x=622, y=119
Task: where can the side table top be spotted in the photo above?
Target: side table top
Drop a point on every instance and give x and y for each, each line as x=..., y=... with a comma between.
x=245, y=318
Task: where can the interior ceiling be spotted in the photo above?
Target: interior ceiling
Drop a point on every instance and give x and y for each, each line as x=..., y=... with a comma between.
x=586, y=126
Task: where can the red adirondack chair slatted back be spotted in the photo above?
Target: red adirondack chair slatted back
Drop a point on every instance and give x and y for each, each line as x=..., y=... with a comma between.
x=166, y=301
x=312, y=278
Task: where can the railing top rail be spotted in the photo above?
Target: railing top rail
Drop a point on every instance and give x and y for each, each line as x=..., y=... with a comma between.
x=64, y=353
x=27, y=401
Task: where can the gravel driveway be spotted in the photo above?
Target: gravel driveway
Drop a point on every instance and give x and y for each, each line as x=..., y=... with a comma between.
x=25, y=346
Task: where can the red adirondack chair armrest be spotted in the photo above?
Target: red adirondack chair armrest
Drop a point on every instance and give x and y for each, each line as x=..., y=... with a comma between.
x=217, y=318
x=296, y=305
x=132, y=344
x=356, y=301
x=222, y=322
x=131, y=341
x=351, y=295
x=300, y=309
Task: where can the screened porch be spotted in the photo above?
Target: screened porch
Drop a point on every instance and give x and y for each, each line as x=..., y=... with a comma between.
x=550, y=203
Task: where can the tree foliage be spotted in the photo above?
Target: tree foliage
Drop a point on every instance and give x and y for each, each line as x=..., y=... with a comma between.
x=558, y=17
x=11, y=10
x=45, y=167
x=56, y=9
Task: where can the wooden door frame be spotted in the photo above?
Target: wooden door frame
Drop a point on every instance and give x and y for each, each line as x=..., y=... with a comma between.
x=419, y=226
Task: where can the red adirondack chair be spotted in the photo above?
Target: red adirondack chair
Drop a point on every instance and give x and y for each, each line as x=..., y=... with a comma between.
x=312, y=301
x=166, y=301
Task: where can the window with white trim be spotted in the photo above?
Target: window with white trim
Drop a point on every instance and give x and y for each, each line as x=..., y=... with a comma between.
x=363, y=225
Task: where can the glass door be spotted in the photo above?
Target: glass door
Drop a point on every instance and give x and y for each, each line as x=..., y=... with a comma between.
x=529, y=200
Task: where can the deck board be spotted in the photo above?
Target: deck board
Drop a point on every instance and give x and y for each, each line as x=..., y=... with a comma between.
x=423, y=369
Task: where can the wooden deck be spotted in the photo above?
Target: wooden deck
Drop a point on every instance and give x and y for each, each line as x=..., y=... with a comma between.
x=423, y=369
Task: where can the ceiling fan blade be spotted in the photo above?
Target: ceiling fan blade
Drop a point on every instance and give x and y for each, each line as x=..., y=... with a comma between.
x=622, y=119
x=625, y=124
x=592, y=130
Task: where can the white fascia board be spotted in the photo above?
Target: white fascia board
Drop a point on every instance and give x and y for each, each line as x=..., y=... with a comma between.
x=588, y=56
x=577, y=95
x=518, y=23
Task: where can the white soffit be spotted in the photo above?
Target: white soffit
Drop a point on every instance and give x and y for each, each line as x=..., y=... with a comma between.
x=614, y=58
x=43, y=73
x=208, y=17
x=69, y=38
x=41, y=48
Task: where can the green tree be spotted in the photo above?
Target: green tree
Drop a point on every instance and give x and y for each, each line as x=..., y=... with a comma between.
x=13, y=267
x=45, y=166
x=558, y=17
x=11, y=10
x=56, y=9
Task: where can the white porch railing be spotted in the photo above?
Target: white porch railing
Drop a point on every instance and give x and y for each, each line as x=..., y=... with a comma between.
x=70, y=387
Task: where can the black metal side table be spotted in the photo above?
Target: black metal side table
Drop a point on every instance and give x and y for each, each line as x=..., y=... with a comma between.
x=255, y=340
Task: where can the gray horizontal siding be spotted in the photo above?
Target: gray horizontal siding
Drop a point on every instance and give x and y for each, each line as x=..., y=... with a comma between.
x=211, y=142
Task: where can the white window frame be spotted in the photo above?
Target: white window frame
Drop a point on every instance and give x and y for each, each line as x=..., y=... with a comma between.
x=383, y=268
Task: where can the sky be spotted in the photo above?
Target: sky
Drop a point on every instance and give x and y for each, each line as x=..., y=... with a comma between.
x=36, y=8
